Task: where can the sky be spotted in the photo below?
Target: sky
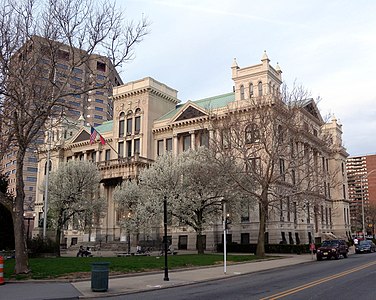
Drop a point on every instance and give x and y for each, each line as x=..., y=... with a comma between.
x=329, y=47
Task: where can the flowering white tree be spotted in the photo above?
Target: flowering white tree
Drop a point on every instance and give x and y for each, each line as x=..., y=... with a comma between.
x=32, y=85
x=194, y=185
x=73, y=191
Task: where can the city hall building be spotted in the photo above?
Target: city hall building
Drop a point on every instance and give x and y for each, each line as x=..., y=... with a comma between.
x=149, y=119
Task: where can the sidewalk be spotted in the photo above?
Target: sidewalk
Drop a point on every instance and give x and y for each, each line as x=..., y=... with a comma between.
x=144, y=282
x=131, y=283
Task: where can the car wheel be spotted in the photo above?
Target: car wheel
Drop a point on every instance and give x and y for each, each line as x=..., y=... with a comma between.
x=319, y=258
x=345, y=255
x=336, y=256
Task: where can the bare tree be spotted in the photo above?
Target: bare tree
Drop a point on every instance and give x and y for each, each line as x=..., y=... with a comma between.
x=34, y=36
x=272, y=140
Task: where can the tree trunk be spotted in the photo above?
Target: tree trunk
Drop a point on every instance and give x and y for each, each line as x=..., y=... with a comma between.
x=58, y=235
x=200, y=244
x=22, y=259
x=263, y=207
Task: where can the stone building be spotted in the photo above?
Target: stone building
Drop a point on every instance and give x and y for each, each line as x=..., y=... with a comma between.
x=149, y=120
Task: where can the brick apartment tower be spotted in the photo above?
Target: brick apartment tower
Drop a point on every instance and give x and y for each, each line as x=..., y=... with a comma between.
x=361, y=172
x=94, y=107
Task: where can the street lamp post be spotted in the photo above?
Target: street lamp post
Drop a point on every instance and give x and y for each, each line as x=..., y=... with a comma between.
x=362, y=194
x=165, y=238
x=129, y=234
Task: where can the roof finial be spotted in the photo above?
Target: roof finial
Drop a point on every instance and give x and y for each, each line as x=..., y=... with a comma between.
x=234, y=64
x=265, y=56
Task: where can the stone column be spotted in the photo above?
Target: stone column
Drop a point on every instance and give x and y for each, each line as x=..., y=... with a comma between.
x=175, y=144
x=193, y=139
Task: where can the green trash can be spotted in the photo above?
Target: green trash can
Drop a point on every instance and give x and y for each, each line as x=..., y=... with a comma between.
x=99, y=276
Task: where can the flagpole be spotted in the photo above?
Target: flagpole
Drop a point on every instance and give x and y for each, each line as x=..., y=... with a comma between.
x=100, y=136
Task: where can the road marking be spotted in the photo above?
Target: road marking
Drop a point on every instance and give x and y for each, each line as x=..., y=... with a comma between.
x=316, y=282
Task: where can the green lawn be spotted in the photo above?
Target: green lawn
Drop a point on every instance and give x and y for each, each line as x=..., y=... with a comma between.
x=76, y=267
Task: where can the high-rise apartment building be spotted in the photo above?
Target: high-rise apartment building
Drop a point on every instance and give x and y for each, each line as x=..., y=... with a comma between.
x=95, y=106
x=361, y=173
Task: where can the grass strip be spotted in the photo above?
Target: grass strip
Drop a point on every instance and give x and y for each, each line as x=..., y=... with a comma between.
x=80, y=267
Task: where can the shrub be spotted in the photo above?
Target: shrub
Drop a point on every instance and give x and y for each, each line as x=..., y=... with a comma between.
x=38, y=246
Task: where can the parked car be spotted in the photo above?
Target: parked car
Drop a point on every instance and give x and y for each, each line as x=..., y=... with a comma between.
x=365, y=246
x=332, y=249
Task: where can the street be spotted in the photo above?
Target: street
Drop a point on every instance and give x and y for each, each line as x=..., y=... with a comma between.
x=343, y=279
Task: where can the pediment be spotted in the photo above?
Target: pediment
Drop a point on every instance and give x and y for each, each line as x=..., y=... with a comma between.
x=312, y=109
x=82, y=136
x=189, y=111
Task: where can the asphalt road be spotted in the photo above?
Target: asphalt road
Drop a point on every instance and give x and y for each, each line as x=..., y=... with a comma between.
x=351, y=278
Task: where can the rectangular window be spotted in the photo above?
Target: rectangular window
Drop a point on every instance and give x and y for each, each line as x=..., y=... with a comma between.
x=137, y=125
x=254, y=165
x=204, y=138
x=129, y=126
x=101, y=66
x=288, y=210
x=108, y=154
x=244, y=206
x=121, y=149
x=129, y=148
x=168, y=144
x=244, y=238
x=31, y=169
x=101, y=77
x=98, y=108
x=295, y=212
x=99, y=101
x=77, y=71
x=98, y=117
x=160, y=147
x=99, y=93
x=186, y=142
x=31, y=179
x=137, y=146
x=121, y=128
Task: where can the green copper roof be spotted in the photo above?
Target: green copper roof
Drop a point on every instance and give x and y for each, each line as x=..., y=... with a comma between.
x=206, y=103
x=103, y=128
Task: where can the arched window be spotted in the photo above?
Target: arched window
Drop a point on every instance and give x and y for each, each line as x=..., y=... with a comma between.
x=260, y=89
x=137, y=111
x=129, y=113
x=242, y=92
x=250, y=90
x=121, y=124
x=252, y=134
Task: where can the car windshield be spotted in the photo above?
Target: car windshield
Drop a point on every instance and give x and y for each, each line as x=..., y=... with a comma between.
x=329, y=243
x=364, y=243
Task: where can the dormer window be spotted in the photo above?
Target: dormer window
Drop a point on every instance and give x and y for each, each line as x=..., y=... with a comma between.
x=242, y=92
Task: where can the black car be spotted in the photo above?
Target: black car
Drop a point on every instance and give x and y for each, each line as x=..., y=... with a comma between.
x=332, y=249
x=365, y=246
